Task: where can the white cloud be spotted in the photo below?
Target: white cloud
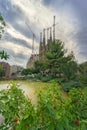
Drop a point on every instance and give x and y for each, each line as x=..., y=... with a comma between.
x=16, y=48
x=34, y=11
x=15, y=34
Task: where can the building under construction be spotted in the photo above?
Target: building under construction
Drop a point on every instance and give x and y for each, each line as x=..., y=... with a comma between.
x=46, y=38
x=33, y=58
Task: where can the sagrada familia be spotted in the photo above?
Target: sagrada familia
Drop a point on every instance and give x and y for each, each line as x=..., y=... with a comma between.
x=45, y=41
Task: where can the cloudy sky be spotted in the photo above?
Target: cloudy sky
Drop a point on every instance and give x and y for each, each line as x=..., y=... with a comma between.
x=21, y=15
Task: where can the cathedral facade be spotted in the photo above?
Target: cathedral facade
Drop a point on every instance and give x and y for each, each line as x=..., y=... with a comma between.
x=44, y=44
x=46, y=38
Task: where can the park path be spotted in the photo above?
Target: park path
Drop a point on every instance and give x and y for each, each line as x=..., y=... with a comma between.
x=29, y=91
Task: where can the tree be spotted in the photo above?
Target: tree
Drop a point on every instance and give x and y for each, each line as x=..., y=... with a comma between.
x=83, y=68
x=54, y=57
x=59, y=62
x=40, y=67
x=27, y=71
x=2, y=25
x=69, y=66
x=3, y=54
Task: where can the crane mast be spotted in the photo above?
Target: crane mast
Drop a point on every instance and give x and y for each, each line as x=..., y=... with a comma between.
x=33, y=37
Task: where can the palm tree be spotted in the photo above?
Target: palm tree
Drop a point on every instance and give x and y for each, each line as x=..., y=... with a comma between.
x=4, y=55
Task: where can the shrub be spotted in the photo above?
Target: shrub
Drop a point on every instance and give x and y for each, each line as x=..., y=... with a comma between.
x=53, y=112
x=71, y=84
x=14, y=106
x=83, y=79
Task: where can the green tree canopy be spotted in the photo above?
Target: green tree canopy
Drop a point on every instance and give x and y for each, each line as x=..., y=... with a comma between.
x=2, y=25
x=3, y=54
x=59, y=62
x=40, y=66
x=27, y=71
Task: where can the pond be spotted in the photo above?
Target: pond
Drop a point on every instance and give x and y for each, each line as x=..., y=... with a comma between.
x=29, y=91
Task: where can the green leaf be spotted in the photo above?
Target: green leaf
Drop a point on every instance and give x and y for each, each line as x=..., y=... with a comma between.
x=51, y=127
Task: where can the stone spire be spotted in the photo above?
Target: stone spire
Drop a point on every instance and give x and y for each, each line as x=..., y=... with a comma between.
x=54, y=29
x=50, y=34
x=44, y=39
x=41, y=43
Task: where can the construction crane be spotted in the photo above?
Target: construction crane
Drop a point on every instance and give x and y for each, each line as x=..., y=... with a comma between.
x=33, y=37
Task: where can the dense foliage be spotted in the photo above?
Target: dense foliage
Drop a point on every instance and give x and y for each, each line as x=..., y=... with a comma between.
x=2, y=25
x=13, y=106
x=61, y=64
x=53, y=112
x=3, y=54
x=27, y=71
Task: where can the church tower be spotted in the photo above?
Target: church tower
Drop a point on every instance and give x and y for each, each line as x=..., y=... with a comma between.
x=50, y=34
x=41, y=44
x=44, y=40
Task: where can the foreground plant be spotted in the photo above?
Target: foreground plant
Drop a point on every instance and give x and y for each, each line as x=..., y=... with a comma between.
x=14, y=106
x=53, y=112
x=57, y=113
x=2, y=25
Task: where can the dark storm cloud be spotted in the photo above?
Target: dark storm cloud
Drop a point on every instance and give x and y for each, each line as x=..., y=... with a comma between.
x=47, y=2
x=13, y=15
x=81, y=10
x=13, y=55
x=17, y=41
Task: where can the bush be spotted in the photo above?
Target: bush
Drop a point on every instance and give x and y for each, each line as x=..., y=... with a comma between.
x=14, y=106
x=71, y=84
x=83, y=79
x=53, y=112
x=57, y=113
x=46, y=78
x=61, y=80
